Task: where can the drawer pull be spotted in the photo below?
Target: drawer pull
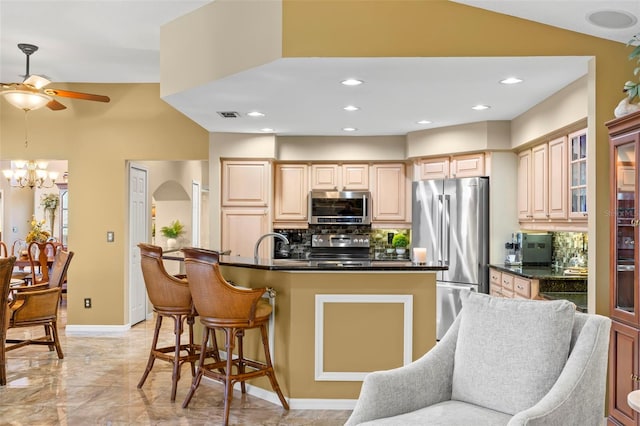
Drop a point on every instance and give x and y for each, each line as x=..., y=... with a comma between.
x=635, y=378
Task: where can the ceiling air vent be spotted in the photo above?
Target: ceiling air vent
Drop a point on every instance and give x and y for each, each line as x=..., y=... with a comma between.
x=228, y=114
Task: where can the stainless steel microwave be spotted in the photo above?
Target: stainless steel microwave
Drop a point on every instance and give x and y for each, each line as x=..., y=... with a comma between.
x=340, y=207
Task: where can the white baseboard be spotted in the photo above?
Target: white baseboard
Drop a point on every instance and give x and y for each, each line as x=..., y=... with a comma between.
x=297, y=403
x=81, y=330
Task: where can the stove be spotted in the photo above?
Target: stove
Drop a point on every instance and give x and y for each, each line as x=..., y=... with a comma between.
x=340, y=249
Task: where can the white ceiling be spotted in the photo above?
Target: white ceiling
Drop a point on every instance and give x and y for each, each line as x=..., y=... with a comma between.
x=113, y=41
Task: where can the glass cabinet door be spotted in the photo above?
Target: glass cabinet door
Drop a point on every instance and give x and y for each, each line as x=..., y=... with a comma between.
x=578, y=174
x=625, y=226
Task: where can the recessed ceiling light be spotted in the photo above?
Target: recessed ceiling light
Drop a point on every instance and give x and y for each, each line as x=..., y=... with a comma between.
x=349, y=129
x=352, y=82
x=267, y=130
x=255, y=114
x=480, y=107
x=511, y=80
x=614, y=19
x=351, y=108
x=424, y=122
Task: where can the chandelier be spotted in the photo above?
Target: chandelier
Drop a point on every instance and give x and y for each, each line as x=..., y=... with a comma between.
x=30, y=174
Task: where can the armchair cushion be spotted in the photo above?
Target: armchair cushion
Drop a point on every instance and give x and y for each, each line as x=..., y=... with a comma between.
x=509, y=353
x=446, y=413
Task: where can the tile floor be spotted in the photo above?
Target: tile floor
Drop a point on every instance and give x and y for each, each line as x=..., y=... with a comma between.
x=95, y=384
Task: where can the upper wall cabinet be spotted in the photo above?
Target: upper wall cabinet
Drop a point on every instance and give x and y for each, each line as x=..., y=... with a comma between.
x=340, y=177
x=469, y=165
x=389, y=193
x=245, y=183
x=291, y=191
x=542, y=181
x=552, y=184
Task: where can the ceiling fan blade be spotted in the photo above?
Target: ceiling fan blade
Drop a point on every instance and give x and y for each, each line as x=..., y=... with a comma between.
x=12, y=86
x=55, y=105
x=36, y=81
x=76, y=95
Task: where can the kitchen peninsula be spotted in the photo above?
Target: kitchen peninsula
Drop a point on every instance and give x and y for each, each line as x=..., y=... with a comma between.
x=334, y=324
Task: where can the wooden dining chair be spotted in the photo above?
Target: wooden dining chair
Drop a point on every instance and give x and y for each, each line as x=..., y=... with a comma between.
x=38, y=305
x=40, y=255
x=6, y=269
x=3, y=249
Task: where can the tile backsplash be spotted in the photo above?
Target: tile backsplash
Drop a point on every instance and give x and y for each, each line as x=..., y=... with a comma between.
x=568, y=246
x=300, y=239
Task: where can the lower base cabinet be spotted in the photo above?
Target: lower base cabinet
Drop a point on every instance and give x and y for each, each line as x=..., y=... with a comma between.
x=623, y=373
x=503, y=284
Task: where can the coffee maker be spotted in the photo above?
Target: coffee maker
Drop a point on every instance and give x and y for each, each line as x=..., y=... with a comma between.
x=514, y=250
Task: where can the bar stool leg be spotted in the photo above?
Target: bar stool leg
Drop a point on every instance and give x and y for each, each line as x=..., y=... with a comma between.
x=241, y=363
x=175, y=376
x=152, y=356
x=270, y=373
x=192, y=347
x=228, y=383
x=196, y=380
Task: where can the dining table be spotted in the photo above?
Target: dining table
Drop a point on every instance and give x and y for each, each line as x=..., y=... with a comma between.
x=24, y=261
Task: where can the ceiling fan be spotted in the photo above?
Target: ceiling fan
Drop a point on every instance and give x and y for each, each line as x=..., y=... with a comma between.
x=31, y=94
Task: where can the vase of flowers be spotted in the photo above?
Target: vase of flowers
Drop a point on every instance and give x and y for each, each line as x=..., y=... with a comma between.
x=172, y=232
x=37, y=233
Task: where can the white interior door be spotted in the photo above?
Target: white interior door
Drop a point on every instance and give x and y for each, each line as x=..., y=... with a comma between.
x=138, y=232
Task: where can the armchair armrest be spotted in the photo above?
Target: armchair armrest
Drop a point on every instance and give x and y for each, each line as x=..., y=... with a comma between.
x=579, y=392
x=408, y=388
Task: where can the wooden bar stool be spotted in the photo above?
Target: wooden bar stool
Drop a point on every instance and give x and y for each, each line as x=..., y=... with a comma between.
x=171, y=298
x=233, y=310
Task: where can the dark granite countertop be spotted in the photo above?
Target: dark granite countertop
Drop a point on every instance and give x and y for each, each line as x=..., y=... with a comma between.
x=306, y=265
x=539, y=272
x=578, y=298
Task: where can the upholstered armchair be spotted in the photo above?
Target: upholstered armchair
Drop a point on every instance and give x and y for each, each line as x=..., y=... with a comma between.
x=503, y=362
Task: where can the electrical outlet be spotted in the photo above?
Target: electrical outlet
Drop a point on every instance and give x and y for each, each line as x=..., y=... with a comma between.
x=87, y=302
x=110, y=236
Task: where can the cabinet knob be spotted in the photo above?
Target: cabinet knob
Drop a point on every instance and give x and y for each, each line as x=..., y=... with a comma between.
x=635, y=377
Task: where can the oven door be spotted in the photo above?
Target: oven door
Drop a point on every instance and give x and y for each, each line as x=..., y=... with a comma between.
x=342, y=207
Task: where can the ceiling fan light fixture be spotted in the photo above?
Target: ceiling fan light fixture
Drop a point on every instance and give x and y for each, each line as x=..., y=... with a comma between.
x=36, y=81
x=25, y=100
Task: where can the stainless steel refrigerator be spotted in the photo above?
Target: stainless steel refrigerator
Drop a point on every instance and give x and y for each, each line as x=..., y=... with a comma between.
x=451, y=219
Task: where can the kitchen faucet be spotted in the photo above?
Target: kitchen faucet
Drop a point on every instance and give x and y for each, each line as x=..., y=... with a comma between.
x=270, y=234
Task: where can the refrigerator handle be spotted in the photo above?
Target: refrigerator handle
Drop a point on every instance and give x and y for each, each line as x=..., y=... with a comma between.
x=439, y=214
x=446, y=228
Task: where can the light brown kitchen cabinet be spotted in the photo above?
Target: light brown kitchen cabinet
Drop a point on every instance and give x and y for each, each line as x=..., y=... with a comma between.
x=503, y=284
x=456, y=166
x=545, y=187
x=241, y=228
x=624, y=291
x=539, y=182
x=245, y=183
x=291, y=191
x=558, y=187
x=524, y=185
x=340, y=177
x=389, y=193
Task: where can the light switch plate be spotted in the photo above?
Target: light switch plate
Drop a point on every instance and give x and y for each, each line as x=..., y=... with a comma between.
x=110, y=236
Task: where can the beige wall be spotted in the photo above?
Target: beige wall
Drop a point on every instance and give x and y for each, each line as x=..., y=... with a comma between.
x=479, y=136
x=223, y=44
x=97, y=139
x=345, y=148
x=564, y=108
